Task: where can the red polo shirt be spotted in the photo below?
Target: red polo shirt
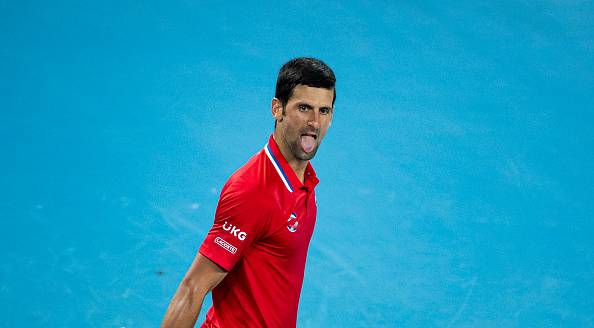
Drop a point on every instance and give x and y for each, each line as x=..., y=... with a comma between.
x=263, y=224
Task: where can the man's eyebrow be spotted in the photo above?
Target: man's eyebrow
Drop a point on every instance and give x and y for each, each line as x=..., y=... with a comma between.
x=302, y=103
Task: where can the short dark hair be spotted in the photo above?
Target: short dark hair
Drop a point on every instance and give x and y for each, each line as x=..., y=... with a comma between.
x=305, y=71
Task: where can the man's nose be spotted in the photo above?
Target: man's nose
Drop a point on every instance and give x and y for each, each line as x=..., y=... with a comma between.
x=315, y=119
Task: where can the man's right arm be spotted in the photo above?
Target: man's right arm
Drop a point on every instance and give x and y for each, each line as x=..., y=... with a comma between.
x=202, y=277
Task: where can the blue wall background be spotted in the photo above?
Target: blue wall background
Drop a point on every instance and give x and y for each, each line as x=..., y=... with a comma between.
x=456, y=179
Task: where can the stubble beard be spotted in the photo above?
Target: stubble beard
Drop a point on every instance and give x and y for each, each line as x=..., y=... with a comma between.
x=302, y=155
x=297, y=151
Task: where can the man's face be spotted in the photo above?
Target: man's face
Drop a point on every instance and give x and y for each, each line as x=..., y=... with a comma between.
x=304, y=123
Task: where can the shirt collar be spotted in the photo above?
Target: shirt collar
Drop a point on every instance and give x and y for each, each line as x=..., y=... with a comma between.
x=285, y=171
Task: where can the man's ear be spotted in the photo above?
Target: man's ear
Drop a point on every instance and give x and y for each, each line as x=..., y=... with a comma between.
x=277, y=109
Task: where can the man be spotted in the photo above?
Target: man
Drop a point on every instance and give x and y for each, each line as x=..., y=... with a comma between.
x=253, y=258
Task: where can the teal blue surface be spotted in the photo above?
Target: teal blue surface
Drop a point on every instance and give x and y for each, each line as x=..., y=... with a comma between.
x=456, y=179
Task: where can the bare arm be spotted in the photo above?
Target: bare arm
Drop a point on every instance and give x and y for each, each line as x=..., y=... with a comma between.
x=202, y=277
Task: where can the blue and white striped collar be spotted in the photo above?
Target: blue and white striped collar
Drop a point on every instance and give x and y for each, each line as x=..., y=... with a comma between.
x=278, y=167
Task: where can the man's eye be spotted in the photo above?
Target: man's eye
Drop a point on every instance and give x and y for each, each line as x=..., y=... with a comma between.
x=302, y=108
x=324, y=111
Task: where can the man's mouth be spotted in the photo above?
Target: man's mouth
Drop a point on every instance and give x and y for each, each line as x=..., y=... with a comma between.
x=308, y=141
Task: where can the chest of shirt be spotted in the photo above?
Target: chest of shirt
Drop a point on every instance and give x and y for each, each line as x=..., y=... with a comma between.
x=294, y=226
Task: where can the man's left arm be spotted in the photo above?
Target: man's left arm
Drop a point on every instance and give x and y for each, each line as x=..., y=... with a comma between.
x=202, y=277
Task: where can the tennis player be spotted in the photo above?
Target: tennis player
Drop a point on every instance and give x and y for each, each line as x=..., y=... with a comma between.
x=253, y=258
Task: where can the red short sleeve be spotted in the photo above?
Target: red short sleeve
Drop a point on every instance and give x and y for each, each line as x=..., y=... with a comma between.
x=239, y=220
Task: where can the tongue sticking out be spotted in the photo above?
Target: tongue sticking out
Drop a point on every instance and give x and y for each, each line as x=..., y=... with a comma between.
x=308, y=143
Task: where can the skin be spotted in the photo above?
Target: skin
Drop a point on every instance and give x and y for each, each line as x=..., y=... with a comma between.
x=308, y=111
x=202, y=277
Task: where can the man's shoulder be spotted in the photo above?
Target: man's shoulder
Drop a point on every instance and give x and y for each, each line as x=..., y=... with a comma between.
x=249, y=178
x=255, y=181
x=249, y=172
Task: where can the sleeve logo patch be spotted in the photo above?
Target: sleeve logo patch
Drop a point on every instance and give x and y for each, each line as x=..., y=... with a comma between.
x=235, y=231
x=219, y=241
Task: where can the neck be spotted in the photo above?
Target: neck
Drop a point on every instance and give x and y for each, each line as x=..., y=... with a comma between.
x=299, y=169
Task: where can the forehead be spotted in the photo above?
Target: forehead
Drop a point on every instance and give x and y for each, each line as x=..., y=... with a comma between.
x=314, y=96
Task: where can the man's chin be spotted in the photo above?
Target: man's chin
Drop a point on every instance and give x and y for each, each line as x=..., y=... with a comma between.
x=305, y=156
